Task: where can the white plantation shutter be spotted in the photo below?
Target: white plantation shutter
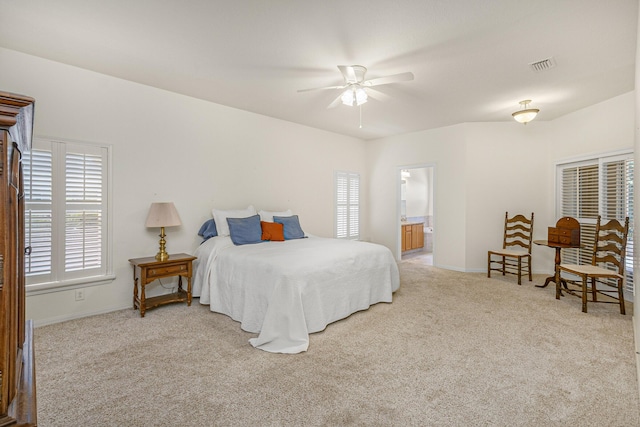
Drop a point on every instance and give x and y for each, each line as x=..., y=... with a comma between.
x=38, y=208
x=580, y=195
x=601, y=186
x=354, y=206
x=341, y=183
x=347, y=189
x=83, y=217
x=617, y=192
x=66, y=213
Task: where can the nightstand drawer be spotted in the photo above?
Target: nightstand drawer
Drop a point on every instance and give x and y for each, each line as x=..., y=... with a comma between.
x=171, y=270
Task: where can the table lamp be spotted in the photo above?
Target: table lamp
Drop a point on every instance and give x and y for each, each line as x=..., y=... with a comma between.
x=163, y=214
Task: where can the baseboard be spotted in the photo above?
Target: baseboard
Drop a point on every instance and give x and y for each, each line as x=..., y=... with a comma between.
x=453, y=268
x=66, y=317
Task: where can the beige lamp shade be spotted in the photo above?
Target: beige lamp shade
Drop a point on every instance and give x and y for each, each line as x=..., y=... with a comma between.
x=163, y=214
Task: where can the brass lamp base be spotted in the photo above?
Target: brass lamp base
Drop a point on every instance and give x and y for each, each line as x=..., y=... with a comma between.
x=162, y=254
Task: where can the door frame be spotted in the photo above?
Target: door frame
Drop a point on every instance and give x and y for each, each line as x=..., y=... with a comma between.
x=399, y=170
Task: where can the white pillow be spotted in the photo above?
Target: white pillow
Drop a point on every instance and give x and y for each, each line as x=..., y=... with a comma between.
x=267, y=216
x=220, y=217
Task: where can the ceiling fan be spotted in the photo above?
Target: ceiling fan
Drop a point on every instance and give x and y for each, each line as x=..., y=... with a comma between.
x=357, y=89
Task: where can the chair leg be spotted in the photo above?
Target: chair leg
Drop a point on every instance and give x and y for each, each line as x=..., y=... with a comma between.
x=621, y=296
x=529, y=267
x=489, y=264
x=519, y=270
x=504, y=265
x=584, y=294
x=594, y=290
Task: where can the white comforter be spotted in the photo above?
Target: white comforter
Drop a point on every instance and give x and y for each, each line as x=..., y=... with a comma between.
x=286, y=290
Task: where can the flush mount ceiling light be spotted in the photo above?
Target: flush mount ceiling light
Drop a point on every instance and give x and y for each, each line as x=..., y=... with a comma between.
x=525, y=115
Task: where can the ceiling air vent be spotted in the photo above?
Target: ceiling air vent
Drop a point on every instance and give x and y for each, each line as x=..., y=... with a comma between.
x=543, y=65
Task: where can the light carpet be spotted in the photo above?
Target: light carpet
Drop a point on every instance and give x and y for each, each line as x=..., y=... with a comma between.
x=453, y=349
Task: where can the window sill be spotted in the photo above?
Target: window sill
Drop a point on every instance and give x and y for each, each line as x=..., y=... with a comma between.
x=49, y=287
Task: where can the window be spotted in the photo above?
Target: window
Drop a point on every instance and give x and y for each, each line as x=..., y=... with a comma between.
x=600, y=186
x=347, y=187
x=66, y=214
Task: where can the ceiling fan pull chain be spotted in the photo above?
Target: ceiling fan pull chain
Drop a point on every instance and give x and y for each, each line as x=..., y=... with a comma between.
x=360, y=107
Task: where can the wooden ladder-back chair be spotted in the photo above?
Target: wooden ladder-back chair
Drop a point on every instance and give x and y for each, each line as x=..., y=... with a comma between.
x=515, y=255
x=607, y=266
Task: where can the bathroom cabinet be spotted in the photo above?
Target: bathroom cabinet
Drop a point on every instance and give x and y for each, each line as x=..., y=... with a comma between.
x=412, y=236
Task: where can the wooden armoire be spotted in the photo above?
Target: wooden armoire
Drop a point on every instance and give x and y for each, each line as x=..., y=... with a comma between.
x=17, y=365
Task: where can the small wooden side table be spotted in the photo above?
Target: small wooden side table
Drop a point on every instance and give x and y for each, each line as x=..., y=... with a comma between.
x=148, y=269
x=558, y=247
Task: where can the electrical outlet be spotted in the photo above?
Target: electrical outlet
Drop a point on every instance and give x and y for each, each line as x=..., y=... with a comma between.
x=79, y=294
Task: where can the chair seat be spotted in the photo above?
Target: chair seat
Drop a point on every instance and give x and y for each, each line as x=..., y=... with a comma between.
x=590, y=270
x=510, y=252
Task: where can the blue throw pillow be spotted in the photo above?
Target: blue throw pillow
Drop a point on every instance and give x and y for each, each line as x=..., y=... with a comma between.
x=245, y=231
x=208, y=229
x=291, y=225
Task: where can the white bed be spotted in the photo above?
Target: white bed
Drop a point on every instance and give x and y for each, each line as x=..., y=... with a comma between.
x=286, y=290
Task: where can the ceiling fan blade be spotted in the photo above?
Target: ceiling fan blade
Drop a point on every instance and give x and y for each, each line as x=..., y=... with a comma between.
x=348, y=73
x=321, y=88
x=335, y=102
x=402, y=77
x=377, y=95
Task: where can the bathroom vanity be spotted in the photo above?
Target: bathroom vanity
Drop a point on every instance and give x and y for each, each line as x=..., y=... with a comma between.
x=412, y=235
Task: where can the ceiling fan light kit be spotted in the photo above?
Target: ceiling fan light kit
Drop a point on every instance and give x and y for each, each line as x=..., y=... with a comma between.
x=526, y=114
x=353, y=94
x=353, y=89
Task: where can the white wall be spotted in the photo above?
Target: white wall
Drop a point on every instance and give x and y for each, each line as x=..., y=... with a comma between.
x=485, y=169
x=445, y=149
x=603, y=127
x=168, y=147
x=636, y=195
x=507, y=172
x=417, y=193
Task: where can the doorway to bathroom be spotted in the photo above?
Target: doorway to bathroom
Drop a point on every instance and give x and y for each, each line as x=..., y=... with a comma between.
x=416, y=229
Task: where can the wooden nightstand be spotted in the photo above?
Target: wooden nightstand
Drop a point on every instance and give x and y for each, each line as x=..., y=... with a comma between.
x=146, y=270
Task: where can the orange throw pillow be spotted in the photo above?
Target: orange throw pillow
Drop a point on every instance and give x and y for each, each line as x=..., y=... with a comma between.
x=272, y=231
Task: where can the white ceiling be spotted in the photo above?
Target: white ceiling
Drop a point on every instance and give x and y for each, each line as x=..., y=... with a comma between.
x=470, y=58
